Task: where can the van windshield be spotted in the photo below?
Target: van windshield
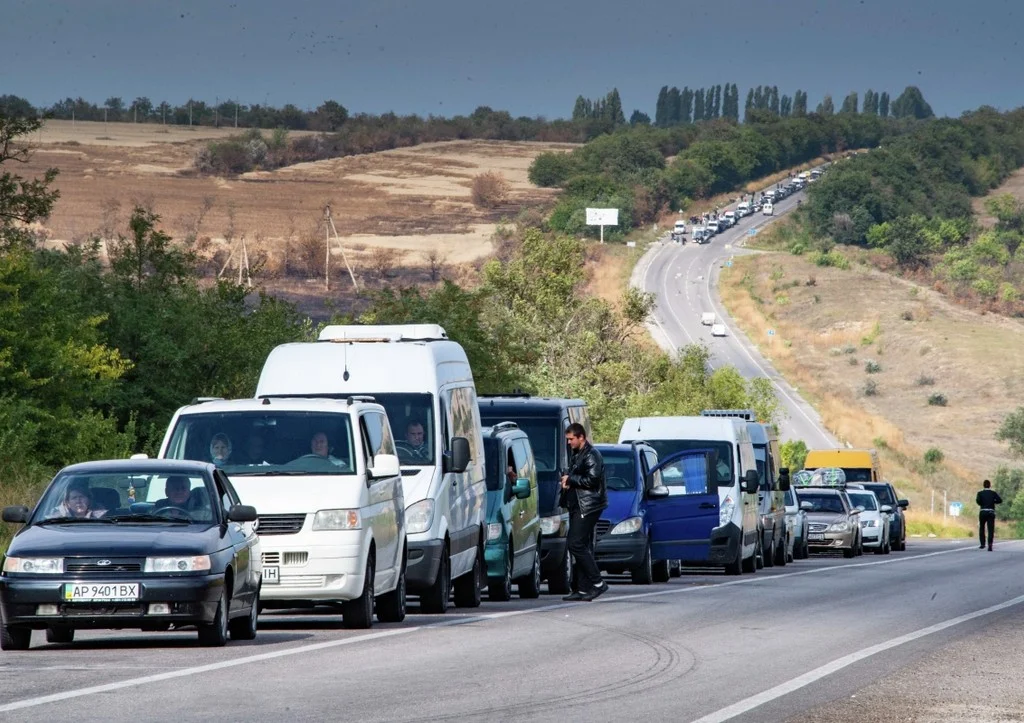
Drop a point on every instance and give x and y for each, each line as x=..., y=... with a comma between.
x=724, y=470
x=543, y=433
x=619, y=469
x=258, y=442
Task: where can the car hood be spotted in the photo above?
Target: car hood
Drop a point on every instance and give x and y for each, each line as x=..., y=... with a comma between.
x=621, y=504
x=121, y=540
x=293, y=494
x=826, y=517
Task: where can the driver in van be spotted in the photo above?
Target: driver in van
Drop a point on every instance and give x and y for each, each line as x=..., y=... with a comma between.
x=415, y=439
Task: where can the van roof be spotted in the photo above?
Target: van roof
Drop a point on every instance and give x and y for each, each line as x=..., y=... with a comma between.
x=728, y=429
x=282, y=404
x=524, y=403
x=383, y=332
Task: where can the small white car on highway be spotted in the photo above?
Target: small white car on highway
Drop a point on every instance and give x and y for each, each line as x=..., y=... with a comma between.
x=707, y=318
x=874, y=520
x=718, y=330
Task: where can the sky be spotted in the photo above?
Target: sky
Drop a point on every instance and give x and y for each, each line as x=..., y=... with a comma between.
x=530, y=57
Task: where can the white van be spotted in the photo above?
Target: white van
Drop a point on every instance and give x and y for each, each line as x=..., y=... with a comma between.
x=679, y=228
x=708, y=513
x=707, y=318
x=768, y=209
x=424, y=382
x=325, y=476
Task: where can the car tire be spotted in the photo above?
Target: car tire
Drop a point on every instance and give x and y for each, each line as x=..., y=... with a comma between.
x=500, y=588
x=13, y=637
x=434, y=599
x=643, y=574
x=529, y=586
x=736, y=567
x=782, y=553
x=60, y=634
x=749, y=564
x=358, y=614
x=215, y=634
x=675, y=568
x=759, y=555
x=768, y=558
x=661, y=571
x=562, y=582
x=468, y=587
x=245, y=628
x=391, y=606
x=850, y=552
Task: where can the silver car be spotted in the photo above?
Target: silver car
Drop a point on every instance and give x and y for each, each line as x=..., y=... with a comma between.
x=796, y=527
x=833, y=524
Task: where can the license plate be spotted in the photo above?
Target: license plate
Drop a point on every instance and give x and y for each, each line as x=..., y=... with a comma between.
x=101, y=591
x=816, y=536
x=271, y=575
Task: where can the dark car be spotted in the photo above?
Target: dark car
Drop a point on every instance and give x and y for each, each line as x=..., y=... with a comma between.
x=886, y=495
x=544, y=419
x=144, y=544
x=623, y=530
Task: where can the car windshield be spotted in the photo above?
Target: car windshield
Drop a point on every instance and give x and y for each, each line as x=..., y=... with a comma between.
x=619, y=469
x=266, y=442
x=883, y=493
x=127, y=496
x=857, y=474
x=863, y=499
x=723, y=469
x=822, y=503
x=543, y=432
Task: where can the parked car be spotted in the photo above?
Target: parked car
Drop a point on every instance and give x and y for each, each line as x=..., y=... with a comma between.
x=874, y=519
x=713, y=226
x=707, y=318
x=325, y=475
x=732, y=218
x=513, y=525
x=545, y=419
x=425, y=383
x=768, y=209
x=832, y=522
x=886, y=495
x=624, y=541
x=144, y=544
x=796, y=526
x=718, y=330
x=700, y=235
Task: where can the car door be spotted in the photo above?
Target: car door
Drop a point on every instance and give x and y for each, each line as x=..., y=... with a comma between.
x=525, y=523
x=380, y=513
x=683, y=516
x=252, y=542
x=236, y=536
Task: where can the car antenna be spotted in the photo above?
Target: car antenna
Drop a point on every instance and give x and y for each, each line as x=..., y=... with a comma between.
x=346, y=375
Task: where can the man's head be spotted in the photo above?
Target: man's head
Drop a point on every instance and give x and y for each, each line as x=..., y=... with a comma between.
x=177, y=488
x=576, y=436
x=319, y=445
x=987, y=484
x=414, y=434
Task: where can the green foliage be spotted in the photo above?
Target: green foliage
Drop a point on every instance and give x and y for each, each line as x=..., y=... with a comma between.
x=911, y=104
x=870, y=388
x=872, y=367
x=22, y=201
x=937, y=399
x=832, y=258
x=1011, y=431
x=1008, y=483
x=933, y=455
x=794, y=453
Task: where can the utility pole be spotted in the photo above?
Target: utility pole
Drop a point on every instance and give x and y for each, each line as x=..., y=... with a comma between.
x=328, y=228
x=190, y=113
x=236, y=114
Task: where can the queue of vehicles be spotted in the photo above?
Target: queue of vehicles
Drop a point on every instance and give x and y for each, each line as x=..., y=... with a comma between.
x=366, y=471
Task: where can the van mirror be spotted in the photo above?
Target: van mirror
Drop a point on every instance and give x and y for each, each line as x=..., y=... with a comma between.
x=242, y=513
x=521, y=488
x=751, y=481
x=805, y=505
x=784, y=483
x=658, y=491
x=384, y=465
x=458, y=457
x=903, y=503
x=18, y=513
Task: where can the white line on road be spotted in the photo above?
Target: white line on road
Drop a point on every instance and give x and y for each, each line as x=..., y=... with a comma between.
x=313, y=647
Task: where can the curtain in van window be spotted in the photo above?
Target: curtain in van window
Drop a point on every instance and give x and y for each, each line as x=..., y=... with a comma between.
x=690, y=473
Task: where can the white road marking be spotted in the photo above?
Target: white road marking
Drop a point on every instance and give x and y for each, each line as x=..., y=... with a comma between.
x=313, y=647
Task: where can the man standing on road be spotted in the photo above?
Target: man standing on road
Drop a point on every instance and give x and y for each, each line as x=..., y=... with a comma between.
x=584, y=495
x=987, y=500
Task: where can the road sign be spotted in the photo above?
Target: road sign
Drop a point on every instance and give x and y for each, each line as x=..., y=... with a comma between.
x=602, y=217
x=751, y=232
x=955, y=508
x=771, y=332
x=729, y=262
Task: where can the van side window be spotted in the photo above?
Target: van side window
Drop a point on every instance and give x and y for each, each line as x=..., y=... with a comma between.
x=378, y=434
x=465, y=419
x=688, y=475
x=523, y=459
x=652, y=462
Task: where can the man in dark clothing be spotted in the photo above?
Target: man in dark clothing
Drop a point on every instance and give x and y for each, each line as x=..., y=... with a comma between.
x=584, y=495
x=987, y=500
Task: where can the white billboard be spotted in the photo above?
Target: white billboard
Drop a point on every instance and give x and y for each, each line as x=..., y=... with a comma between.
x=602, y=217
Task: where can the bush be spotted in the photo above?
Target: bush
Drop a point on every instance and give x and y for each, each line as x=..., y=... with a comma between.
x=872, y=367
x=871, y=388
x=830, y=258
x=937, y=399
x=925, y=381
x=490, y=190
x=551, y=169
x=907, y=315
x=934, y=455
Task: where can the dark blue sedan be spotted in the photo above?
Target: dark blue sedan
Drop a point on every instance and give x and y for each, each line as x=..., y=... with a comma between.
x=144, y=544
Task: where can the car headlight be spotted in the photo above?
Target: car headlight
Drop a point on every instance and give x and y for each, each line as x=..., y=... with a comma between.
x=550, y=525
x=839, y=527
x=189, y=563
x=35, y=565
x=337, y=520
x=869, y=523
x=494, y=530
x=419, y=516
x=628, y=526
x=725, y=510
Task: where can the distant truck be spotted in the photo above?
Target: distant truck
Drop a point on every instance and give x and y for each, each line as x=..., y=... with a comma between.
x=679, y=231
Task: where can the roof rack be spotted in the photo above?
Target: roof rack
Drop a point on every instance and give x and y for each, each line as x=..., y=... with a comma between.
x=360, y=398
x=830, y=477
x=503, y=427
x=379, y=333
x=519, y=394
x=747, y=414
x=204, y=400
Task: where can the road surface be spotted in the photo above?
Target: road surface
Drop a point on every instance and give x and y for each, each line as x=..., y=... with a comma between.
x=683, y=278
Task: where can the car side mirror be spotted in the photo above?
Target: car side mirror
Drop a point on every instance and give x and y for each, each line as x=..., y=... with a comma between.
x=658, y=492
x=17, y=513
x=458, y=457
x=858, y=509
x=784, y=483
x=805, y=505
x=521, y=488
x=242, y=513
x=751, y=481
x=886, y=509
x=903, y=503
x=384, y=465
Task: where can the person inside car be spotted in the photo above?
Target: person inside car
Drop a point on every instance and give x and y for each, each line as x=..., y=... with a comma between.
x=177, y=488
x=415, y=440
x=321, y=447
x=78, y=503
x=220, y=449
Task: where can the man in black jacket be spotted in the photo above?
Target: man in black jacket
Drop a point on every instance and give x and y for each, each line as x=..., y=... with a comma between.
x=584, y=495
x=987, y=500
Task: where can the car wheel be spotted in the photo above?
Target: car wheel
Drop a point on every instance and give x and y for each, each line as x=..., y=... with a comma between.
x=529, y=586
x=467, y=587
x=750, y=564
x=60, y=634
x=435, y=598
x=500, y=588
x=561, y=583
x=759, y=555
x=245, y=628
x=781, y=553
x=675, y=569
x=661, y=571
x=391, y=605
x=13, y=637
x=850, y=552
x=768, y=558
x=358, y=614
x=642, y=574
x=215, y=634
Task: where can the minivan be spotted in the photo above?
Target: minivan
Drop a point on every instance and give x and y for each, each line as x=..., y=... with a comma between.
x=545, y=419
x=774, y=477
x=425, y=383
x=711, y=522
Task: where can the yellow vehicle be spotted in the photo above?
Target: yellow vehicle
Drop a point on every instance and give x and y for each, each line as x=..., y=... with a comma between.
x=860, y=465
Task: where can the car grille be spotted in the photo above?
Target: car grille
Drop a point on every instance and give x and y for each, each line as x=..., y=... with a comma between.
x=303, y=581
x=603, y=527
x=93, y=565
x=818, y=527
x=280, y=524
x=271, y=558
x=290, y=558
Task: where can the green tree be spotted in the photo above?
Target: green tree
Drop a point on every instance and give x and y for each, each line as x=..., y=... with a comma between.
x=660, y=109
x=1008, y=483
x=22, y=201
x=800, y=103
x=793, y=453
x=639, y=118
x=883, y=105
x=1011, y=431
x=550, y=169
x=581, y=109
x=613, y=108
x=331, y=115
x=849, y=103
x=699, y=111
x=749, y=105
x=911, y=104
x=674, y=106
x=826, y=107
x=115, y=107
x=870, y=102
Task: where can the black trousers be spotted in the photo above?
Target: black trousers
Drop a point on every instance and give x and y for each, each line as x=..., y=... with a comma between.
x=986, y=521
x=586, y=575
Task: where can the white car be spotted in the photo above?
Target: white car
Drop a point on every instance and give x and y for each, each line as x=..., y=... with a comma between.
x=732, y=218
x=768, y=209
x=874, y=520
x=679, y=228
x=707, y=318
x=718, y=330
x=714, y=226
x=796, y=525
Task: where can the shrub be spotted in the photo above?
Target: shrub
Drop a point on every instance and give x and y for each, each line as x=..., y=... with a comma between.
x=937, y=399
x=832, y=258
x=934, y=455
x=551, y=169
x=870, y=388
x=924, y=381
x=852, y=361
x=872, y=367
x=907, y=315
x=490, y=190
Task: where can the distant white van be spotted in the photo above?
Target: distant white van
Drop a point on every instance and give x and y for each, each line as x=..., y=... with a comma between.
x=768, y=209
x=680, y=227
x=707, y=318
x=709, y=512
x=425, y=383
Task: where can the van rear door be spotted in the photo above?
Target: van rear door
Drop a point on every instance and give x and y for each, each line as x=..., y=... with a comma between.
x=682, y=506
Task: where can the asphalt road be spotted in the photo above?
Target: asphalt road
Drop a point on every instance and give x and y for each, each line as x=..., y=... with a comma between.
x=683, y=279
x=703, y=647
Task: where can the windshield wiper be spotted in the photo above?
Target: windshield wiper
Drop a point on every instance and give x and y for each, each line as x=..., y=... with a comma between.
x=272, y=473
x=73, y=520
x=147, y=518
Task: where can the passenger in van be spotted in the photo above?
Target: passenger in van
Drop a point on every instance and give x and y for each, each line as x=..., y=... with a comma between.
x=220, y=449
x=255, y=450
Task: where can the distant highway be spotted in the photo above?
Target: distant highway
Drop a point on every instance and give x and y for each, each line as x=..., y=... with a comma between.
x=684, y=279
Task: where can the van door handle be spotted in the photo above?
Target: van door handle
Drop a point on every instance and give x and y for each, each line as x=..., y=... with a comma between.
x=707, y=506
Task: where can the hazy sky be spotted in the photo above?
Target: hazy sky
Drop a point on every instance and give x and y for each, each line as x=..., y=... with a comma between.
x=531, y=57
